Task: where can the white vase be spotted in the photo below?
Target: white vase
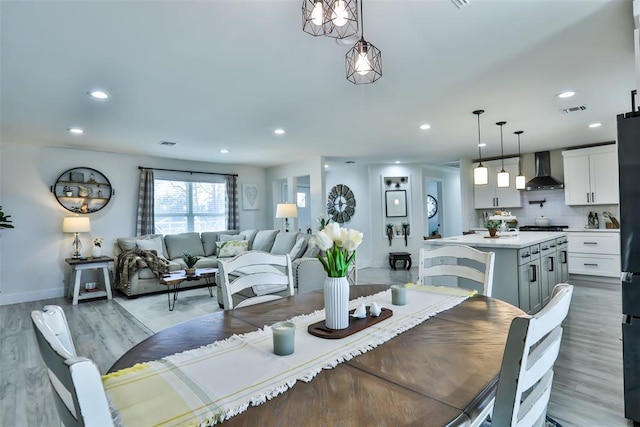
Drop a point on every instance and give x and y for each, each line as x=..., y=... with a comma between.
x=96, y=252
x=336, y=302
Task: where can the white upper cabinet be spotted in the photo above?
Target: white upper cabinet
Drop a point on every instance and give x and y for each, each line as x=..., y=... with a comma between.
x=490, y=195
x=591, y=176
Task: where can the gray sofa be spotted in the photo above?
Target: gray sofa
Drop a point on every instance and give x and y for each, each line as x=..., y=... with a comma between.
x=307, y=269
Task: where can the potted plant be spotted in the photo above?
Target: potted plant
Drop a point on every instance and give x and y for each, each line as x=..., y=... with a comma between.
x=390, y=233
x=96, y=251
x=190, y=260
x=5, y=222
x=68, y=191
x=492, y=226
x=405, y=232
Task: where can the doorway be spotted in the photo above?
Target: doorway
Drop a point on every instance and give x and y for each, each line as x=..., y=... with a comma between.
x=433, y=218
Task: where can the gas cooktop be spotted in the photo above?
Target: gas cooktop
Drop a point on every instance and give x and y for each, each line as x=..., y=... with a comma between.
x=543, y=228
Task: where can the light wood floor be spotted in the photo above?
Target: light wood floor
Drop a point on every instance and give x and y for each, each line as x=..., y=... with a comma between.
x=587, y=389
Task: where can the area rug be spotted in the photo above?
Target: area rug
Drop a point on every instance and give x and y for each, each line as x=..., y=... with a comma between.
x=153, y=310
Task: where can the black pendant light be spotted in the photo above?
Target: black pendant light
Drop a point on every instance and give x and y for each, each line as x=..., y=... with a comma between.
x=480, y=173
x=364, y=60
x=503, y=176
x=331, y=18
x=520, y=179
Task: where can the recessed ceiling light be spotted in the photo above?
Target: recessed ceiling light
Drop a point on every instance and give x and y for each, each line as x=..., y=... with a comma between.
x=425, y=126
x=566, y=94
x=326, y=166
x=224, y=151
x=595, y=125
x=397, y=161
x=279, y=131
x=98, y=94
x=482, y=144
x=76, y=131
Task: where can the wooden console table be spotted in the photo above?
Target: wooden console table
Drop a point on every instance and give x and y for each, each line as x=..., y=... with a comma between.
x=79, y=264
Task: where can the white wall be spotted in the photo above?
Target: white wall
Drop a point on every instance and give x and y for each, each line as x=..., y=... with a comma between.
x=32, y=255
x=356, y=177
x=451, y=208
x=314, y=169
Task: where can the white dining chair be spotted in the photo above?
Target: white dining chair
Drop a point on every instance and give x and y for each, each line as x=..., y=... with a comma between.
x=526, y=374
x=459, y=262
x=76, y=383
x=265, y=273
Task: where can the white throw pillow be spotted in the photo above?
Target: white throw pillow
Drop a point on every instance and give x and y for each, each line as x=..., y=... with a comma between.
x=230, y=237
x=295, y=250
x=232, y=248
x=154, y=244
x=312, y=249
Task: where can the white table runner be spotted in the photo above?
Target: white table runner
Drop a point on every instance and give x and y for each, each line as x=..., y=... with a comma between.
x=207, y=385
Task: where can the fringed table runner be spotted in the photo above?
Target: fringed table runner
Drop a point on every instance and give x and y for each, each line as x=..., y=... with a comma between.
x=208, y=385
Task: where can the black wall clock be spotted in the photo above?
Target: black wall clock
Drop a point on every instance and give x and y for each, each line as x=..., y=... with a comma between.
x=432, y=206
x=341, y=204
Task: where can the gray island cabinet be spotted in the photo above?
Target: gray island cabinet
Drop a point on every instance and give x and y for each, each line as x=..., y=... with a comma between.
x=527, y=266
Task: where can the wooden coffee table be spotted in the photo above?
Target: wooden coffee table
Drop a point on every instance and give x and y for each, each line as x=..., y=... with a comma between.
x=173, y=280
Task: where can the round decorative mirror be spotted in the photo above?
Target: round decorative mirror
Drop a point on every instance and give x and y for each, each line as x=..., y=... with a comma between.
x=82, y=190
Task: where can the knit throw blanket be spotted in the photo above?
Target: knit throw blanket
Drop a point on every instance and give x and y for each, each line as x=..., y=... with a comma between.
x=135, y=259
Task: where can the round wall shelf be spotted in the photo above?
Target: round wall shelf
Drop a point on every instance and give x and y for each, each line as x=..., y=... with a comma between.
x=82, y=190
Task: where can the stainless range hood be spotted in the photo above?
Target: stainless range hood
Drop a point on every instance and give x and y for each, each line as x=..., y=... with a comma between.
x=543, y=179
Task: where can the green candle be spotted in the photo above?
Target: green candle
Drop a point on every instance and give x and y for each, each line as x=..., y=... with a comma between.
x=398, y=295
x=283, y=338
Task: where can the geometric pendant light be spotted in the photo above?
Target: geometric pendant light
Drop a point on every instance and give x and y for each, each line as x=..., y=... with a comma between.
x=520, y=179
x=363, y=60
x=480, y=173
x=331, y=18
x=503, y=176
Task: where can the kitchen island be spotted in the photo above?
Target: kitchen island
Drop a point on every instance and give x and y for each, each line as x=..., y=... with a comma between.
x=527, y=265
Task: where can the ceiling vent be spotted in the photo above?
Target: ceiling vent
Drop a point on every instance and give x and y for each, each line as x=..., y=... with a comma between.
x=460, y=3
x=573, y=109
x=167, y=143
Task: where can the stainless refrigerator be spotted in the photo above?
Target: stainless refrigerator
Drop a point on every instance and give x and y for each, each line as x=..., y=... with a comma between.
x=629, y=175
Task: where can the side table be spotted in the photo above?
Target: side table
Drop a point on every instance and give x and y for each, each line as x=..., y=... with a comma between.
x=77, y=265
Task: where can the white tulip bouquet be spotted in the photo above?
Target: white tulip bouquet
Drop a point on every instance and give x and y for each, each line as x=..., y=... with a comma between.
x=340, y=246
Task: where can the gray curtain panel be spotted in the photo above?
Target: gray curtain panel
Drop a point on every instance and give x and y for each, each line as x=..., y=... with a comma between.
x=233, y=222
x=145, y=223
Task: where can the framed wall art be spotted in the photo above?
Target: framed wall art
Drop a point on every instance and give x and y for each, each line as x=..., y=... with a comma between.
x=396, y=203
x=250, y=199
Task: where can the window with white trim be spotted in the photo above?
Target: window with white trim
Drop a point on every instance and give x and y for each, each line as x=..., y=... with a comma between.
x=195, y=204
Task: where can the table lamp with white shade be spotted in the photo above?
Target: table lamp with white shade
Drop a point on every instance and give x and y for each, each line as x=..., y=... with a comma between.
x=76, y=224
x=286, y=211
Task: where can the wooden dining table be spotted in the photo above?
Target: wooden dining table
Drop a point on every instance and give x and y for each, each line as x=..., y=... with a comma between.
x=441, y=372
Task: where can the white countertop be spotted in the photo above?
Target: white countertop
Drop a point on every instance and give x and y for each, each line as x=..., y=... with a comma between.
x=523, y=239
x=593, y=230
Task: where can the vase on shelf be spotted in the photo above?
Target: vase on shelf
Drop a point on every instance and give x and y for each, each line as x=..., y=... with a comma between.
x=336, y=302
x=96, y=252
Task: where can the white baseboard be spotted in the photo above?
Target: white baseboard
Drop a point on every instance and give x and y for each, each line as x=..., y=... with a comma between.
x=18, y=297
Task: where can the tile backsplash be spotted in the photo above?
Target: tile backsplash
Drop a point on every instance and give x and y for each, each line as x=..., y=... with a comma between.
x=555, y=209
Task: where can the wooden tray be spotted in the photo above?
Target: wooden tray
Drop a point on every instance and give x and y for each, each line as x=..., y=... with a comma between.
x=355, y=325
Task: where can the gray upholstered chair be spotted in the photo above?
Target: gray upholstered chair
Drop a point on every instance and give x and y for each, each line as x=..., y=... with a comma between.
x=77, y=387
